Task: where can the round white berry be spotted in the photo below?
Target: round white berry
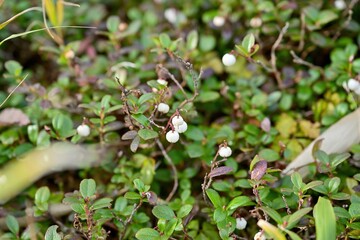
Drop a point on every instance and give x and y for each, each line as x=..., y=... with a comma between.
x=219, y=21
x=225, y=152
x=241, y=223
x=162, y=81
x=259, y=236
x=177, y=120
x=340, y=4
x=228, y=59
x=171, y=15
x=163, y=108
x=353, y=84
x=172, y=136
x=181, y=128
x=255, y=22
x=83, y=130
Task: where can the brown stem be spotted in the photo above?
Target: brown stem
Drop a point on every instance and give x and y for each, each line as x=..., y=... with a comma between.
x=174, y=170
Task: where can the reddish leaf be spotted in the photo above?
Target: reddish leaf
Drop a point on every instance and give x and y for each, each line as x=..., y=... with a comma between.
x=12, y=116
x=220, y=171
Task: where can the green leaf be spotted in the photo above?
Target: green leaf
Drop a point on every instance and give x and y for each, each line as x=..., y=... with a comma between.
x=13, y=67
x=184, y=210
x=33, y=132
x=146, y=97
x=42, y=196
x=326, y=16
x=240, y=201
x=208, y=96
x=354, y=210
x=87, y=188
x=214, y=197
x=140, y=118
x=207, y=43
x=62, y=124
x=297, y=181
x=101, y=203
x=147, y=234
x=12, y=224
x=195, y=150
x=333, y=185
x=78, y=208
x=269, y=155
x=147, y=134
x=341, y=213
x=139, y=185
x=312, y=184
x=339, y=158
x=112, y=24
x=273, y=214
x=51, y=233
x=325, y=221
x=292, y=235
x=248, y=42
x=271, y=230
x=132, y=195
x=163, y=212
x=192, y=40
x=296, y=216
x=170, y=227
x=165, y=40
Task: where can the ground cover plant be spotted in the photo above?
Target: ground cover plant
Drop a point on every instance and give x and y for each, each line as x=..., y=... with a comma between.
x=175, y=119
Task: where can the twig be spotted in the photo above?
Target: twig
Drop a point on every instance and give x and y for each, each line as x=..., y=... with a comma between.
x=273, y=55
x=13, y=91
x=196, y=91
x=302, y=31
x=129, y=219
x=175, y=173
x=298, y=60
x=172, y=77
x=124, y=93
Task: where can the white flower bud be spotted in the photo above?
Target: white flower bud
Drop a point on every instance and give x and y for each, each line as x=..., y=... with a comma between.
x=172, y=136
x=259, y=236
x=219, y=21
x=241, y=223
x=177, y=120
x=163, y=108
x=83, y=130
x=225, y=152
x=228, y=59
x=181, y=128
x=353, y=84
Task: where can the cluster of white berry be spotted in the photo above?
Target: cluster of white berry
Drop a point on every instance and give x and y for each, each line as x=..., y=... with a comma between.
x=179, y=126
x=352, y=85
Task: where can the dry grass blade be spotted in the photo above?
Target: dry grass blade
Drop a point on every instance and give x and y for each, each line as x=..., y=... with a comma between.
x=39, y=30
x=2, y=25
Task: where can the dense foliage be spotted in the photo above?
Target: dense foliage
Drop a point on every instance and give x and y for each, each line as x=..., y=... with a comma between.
x=193, y=107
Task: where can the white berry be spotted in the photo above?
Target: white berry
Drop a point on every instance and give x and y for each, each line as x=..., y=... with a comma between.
x=162, y=81
x=255, y=22
x=228, y=59
x=353, y=84
x=83, y=130
x=219, y=21
x=172, y=136
x=241, y=223
x=163, y=108
x=340, y=4
x=225, y=152
x=177, y=120
x=181, y=128
x=259, y=236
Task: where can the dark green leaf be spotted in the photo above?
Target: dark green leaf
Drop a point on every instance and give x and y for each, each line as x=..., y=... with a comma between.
x=163, y=212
